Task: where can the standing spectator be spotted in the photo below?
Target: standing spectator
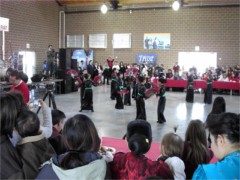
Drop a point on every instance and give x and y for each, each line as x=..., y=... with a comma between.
x=18, y=84
x=176, y=69
x=224, y=135
x=90, y=69
x=50, y=58
x=134, y=165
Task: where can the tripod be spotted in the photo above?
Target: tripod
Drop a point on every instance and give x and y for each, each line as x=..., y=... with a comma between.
x=51, y=99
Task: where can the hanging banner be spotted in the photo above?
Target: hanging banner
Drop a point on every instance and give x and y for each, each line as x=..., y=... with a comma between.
x=148, y=58
x=4, y=24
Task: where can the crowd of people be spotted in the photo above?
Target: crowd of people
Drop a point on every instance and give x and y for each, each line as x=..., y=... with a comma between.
x=34, y=147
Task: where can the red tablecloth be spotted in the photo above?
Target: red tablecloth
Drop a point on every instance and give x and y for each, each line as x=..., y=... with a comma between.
x=200, y=84
x=121, y=146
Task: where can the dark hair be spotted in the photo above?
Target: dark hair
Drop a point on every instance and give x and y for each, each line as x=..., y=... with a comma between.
x=27, y=124
x=86, y=76
x=139, y=136
x=21, y=103
x=80, y=135
x=141, y=78
x=225, y=123
x=49, y=45
x=57, y=116
x=173, y=145
x=15, y=73
x=9, y=109
x=139, y=144
x=196, y=136
x=219, y=105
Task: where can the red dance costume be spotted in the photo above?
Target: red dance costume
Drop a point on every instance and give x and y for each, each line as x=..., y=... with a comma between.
x=23, y=89
x=130, y=166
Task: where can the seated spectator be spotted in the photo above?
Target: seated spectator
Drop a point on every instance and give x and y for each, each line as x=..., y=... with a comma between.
x=33, y=148
x=224, y=134
x=57, y=122
x=56, y=140
x=45, y=122
x=134, y=165
x=171, y=153
x=195, y=150
x=223, y=77
x=82, y=161
x=10, y=161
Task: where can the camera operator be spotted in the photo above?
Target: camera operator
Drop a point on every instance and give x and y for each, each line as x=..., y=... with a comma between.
x=50, y=59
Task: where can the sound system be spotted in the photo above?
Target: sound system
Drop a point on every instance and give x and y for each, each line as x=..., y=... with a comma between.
x=65, y=58
x=66, y=84
x=74, y=64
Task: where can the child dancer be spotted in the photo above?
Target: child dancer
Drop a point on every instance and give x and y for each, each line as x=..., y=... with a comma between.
x=161, y=101
x=141, y=90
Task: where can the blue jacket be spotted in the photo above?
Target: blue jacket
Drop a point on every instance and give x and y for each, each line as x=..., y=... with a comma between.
x=228, y=168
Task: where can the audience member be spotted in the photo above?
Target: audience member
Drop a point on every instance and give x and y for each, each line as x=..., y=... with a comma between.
x=195, y=147
x=82, y=161
x=171, y=153
x=33, y=148
x=18, y=84
x=224, y=134
x=10, y=161
x=134, y=165
x=56, y=140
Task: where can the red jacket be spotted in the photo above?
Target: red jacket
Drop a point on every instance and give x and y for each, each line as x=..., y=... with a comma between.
x=23, y=89
x=130, y=166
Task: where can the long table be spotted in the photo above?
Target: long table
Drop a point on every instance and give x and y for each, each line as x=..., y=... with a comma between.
x=199, y=84
x=121, y=146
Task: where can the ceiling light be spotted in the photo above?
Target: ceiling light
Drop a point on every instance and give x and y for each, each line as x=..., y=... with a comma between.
x=176, y=5
x=104, y=8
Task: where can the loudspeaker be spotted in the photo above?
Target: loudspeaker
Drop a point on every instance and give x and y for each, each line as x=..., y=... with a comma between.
x=66, y=84
x=65, y=57
x=74, y=64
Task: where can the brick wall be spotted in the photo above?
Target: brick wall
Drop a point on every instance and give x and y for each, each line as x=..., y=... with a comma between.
x=213, y=29
x=33, y=22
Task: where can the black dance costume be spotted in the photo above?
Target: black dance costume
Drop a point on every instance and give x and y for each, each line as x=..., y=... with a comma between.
x=161, y=104
x=127, y=97
x=87, y=96
x=208, y=91
x=119, y=87
x=113, y=88
x=190, y=90
x=140, y=103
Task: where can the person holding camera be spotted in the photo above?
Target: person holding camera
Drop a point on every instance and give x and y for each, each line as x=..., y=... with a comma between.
x=50, y=59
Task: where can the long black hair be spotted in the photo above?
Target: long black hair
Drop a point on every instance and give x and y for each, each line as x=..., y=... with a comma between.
x=80, y=136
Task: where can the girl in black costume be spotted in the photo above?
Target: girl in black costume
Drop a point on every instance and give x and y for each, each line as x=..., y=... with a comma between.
x=161, y=101
x=209, y=89
x=119, y=87
x=87, y=95
x=190, y=89
x=141, y=94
